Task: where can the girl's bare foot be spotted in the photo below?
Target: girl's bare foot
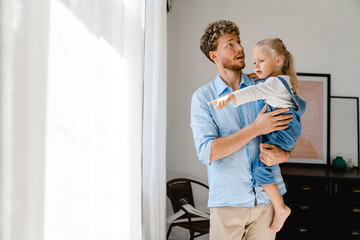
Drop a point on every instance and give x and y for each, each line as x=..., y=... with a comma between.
x=279, y=218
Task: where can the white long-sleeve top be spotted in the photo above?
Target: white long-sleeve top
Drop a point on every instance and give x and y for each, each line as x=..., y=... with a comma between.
x=272, y=91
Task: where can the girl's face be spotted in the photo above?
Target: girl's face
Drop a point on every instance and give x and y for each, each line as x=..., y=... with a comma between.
x=265, y=64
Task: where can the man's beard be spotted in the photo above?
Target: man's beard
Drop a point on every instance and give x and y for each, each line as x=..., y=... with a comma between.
x=227, y=65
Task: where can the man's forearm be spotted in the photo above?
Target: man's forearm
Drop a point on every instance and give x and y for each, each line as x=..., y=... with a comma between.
x=288, y=154
x=263, y=124
x=224, y=146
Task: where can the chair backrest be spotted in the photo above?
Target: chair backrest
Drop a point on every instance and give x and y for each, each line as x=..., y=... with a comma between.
x=179, y=191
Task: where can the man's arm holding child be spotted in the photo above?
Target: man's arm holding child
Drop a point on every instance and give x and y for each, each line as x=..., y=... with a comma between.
x=263, y=124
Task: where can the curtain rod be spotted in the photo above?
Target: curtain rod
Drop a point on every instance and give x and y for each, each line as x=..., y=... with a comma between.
x=168, y=5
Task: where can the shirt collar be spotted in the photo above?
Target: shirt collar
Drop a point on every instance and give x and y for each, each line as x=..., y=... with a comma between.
x=246, y=81
x=221, y=86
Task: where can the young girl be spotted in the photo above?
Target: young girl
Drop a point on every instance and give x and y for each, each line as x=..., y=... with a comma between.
x=273, y=63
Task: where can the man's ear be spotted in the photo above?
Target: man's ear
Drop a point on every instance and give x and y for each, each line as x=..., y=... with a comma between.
x=212, y=55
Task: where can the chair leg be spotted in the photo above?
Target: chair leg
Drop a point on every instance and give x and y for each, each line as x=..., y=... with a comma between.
x=168, y=233
x=191, y=234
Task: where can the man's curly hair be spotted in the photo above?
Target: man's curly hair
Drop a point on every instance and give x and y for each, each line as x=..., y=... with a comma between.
x=212, y=33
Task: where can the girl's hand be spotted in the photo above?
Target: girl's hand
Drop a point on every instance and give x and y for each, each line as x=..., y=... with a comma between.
x=253, y=76
x=222, y=102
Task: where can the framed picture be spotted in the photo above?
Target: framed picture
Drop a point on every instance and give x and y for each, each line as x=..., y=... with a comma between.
x=345, y=128
x=313, y=144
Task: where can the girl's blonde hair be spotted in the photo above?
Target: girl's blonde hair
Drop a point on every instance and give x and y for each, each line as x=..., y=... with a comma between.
x=278, y=48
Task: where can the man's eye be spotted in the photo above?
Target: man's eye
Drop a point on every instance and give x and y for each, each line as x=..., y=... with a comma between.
x=229, y=45
x=262, y=60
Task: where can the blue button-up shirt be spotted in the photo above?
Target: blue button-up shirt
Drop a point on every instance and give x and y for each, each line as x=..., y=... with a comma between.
x=230, y=178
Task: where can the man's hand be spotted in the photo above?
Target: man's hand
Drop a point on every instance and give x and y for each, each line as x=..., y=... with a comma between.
x=272, y=121
x=271, y=154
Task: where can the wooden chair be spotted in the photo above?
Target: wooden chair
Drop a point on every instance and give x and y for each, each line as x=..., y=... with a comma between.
x=180, y=193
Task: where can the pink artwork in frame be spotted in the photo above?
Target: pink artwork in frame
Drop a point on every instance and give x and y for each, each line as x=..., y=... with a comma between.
x=313, y=144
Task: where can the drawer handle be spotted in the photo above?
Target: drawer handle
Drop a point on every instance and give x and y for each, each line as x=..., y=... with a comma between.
x=356, y=190
x=302, y=229
x=356, y=210
x=305, y=207
x=355, y=233
x=308, y=188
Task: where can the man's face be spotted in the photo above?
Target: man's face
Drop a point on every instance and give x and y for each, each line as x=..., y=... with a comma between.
x=230, y=53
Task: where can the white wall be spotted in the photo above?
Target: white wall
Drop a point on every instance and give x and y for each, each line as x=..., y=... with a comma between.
x=323, y=36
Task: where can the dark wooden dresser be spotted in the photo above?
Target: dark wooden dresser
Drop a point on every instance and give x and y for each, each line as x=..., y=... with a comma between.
x=325, y=204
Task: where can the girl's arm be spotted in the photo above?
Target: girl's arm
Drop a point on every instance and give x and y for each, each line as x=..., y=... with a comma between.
x=253, y=93
x=264, y=90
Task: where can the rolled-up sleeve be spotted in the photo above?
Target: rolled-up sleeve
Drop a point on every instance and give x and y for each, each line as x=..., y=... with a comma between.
x=203, y=126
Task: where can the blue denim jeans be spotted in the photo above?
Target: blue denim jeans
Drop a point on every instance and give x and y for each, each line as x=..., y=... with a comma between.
x=283, y=139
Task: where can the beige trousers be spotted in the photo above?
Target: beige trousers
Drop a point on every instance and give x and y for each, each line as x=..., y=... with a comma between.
x=241, y=223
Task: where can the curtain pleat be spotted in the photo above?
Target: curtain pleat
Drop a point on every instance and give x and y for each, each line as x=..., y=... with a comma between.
x=154, y=123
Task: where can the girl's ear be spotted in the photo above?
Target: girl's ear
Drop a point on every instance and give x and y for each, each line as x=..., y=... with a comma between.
x=279, y=60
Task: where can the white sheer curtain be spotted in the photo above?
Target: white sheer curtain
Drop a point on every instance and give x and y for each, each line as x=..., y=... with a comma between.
x=154, y=136
x=71, y=119
x=93, y=173
x=23, y=67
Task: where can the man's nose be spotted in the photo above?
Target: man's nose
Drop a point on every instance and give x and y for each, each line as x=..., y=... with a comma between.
x=240, y=48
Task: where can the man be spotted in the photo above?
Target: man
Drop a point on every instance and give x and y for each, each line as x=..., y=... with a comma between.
x=227, y=141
